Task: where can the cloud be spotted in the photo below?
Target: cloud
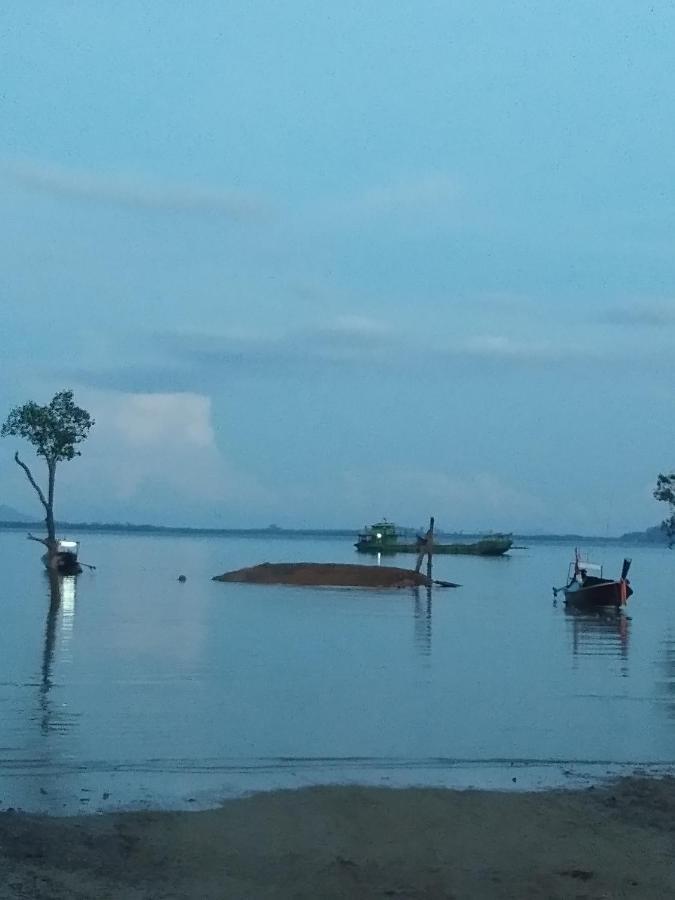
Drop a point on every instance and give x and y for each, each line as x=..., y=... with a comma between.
x=190, y=362
x=133, y=192
x=367, y=342
x=151, y=420
x=351, y=344
x=344, y=341
x=505, y=302
x=434, y=191
x=356, y=326
x=473, y=501
x=156, y=453
x=499, y=347
x=417, y=199
x=155, y=458
x=651, y=315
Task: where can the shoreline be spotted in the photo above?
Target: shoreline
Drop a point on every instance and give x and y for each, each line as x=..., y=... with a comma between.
x=102, y=790
x=615, y=840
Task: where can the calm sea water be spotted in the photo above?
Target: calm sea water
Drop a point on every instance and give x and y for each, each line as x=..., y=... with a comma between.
x=138, y=690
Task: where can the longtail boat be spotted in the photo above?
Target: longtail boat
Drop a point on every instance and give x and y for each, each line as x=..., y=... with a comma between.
x=586, y=586
x=66, y=562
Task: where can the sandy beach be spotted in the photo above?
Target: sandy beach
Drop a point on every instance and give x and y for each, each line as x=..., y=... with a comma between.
x=352, y=842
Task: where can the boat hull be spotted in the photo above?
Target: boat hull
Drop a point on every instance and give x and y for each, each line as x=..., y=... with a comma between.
x=488, y=547
x=603, y=593
x=66, y=564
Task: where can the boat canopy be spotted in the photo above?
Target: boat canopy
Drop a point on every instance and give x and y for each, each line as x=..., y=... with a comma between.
x=581, y=565
x=68, y=546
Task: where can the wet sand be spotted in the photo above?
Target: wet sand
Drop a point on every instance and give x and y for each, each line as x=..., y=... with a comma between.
x=351, y=842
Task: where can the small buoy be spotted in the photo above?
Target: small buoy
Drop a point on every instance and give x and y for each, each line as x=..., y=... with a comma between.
x=182, y=579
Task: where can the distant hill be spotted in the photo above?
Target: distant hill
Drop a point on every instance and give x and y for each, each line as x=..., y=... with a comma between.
x=9, y=514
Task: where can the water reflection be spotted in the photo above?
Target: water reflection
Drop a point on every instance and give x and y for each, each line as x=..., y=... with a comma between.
x=666, y=685
x=599, y=633
x=58, y=632
x=422, y=613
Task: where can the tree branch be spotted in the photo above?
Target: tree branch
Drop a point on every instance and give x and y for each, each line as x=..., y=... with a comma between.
x=29, y=476
x=31, y=537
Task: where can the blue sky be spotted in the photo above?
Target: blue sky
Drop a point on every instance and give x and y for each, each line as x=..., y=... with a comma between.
x=314, y=264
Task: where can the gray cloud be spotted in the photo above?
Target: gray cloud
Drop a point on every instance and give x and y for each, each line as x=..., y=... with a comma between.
x=348, y=345
x=348, y=342
x=652, y=315
x=158, y=378
x=353, y=340
x=139, y=193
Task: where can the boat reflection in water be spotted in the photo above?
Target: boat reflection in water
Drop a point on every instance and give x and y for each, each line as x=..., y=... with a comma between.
x=599, y=633
x=58, y=634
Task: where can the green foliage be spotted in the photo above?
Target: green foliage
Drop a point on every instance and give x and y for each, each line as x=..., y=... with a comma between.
x=53, y=430
x=665, y=492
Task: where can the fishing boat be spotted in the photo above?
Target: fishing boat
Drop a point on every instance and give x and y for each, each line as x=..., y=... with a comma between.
x=586, y=586
x=66, y=558
x=384, y=537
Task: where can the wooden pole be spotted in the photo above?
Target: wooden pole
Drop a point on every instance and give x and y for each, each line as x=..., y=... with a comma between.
x=430, y=546
x=426, y=547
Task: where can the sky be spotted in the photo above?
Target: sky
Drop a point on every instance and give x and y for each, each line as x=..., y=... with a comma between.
x=314, y=264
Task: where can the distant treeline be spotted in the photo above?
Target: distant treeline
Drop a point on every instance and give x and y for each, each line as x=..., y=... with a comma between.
x=129, y=528
x=655, y=535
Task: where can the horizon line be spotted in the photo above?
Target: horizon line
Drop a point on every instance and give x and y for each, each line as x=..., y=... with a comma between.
x=16, y=525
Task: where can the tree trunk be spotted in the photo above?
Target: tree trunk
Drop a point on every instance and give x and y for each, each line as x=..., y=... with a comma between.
x=49, y=518
x=48, y=504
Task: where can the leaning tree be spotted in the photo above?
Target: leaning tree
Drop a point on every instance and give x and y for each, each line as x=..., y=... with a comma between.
x=54, y=431
x=665, y=492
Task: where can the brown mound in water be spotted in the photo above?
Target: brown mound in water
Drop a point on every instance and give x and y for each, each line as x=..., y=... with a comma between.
x=327, y=575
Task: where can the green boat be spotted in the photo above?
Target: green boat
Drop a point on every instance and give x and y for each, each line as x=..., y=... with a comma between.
x=384, y=537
